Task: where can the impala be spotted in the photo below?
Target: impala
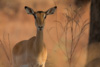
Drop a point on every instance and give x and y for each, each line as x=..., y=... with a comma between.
x=33, y=52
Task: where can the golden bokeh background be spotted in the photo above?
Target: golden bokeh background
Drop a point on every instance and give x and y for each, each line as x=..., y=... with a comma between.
x=16, y=25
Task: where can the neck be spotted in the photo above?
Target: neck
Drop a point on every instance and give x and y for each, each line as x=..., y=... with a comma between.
x=39, y=40
x=39, y=36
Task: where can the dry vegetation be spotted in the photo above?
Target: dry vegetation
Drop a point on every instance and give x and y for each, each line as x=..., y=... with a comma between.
x=66, y=35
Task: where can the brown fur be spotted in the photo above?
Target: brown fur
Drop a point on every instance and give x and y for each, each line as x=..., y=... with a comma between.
x=40, y=19
x=32, y=51
x=25, y=53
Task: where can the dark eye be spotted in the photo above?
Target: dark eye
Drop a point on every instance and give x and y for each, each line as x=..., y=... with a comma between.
x=35, y=16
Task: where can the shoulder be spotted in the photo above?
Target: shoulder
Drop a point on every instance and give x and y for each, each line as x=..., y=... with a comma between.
x=19, y=46
x=32, y=38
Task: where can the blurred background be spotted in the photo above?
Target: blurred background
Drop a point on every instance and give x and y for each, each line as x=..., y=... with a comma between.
x=65, y=32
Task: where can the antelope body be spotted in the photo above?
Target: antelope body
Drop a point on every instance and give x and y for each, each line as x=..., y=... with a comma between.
x=33, y=52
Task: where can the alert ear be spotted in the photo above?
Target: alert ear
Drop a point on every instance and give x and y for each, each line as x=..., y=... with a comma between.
x=51, y=10
x=29, y=10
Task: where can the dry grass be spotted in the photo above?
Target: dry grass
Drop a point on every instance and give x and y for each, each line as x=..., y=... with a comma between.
x=69, y=43
x=7, y=50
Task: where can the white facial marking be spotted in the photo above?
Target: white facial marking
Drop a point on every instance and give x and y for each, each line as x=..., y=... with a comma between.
x=44, y=16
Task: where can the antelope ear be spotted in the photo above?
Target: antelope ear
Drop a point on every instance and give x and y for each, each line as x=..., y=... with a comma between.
x=51, y=10
x=29, y=10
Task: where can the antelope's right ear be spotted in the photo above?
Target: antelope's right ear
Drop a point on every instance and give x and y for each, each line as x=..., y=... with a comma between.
x=29, y=10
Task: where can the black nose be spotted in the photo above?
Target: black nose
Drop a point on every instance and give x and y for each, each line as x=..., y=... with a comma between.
x=40, y=27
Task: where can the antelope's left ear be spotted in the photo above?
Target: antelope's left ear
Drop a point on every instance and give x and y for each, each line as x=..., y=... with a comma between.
x=51, y=10
x=29, y=10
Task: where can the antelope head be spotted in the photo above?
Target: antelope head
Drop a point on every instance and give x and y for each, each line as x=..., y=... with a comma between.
x=40, y=16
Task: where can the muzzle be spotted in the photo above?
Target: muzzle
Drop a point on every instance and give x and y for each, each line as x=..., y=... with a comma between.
x=40, y=28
